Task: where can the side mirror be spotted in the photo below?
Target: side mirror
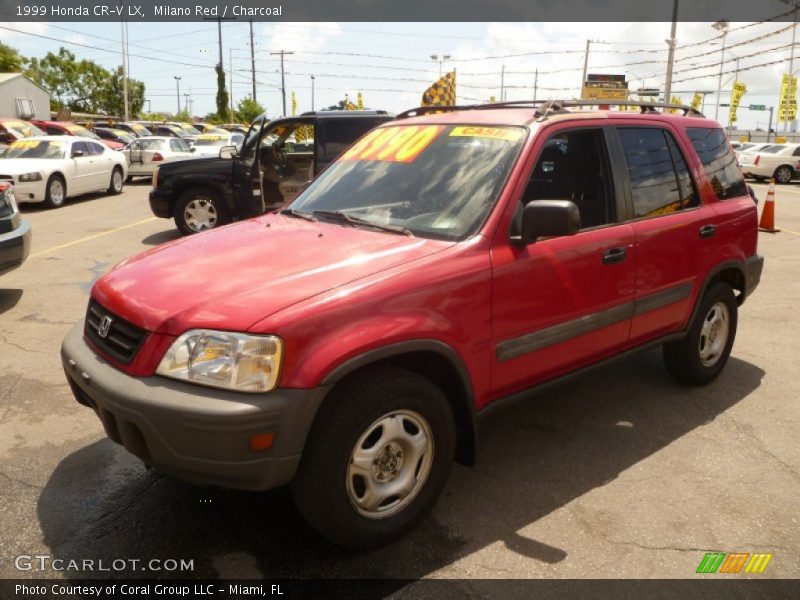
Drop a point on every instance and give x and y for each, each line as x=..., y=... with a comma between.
x=547, y=218
x=228, y=152
x=192, y=149
x=77, y=153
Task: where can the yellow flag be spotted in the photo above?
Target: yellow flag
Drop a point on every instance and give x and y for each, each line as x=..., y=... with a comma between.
x=294, y=104
x=360, y=103
x=697, y=100
x=441, y=93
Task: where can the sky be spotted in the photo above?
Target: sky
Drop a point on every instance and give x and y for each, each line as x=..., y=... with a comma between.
x=391, y=64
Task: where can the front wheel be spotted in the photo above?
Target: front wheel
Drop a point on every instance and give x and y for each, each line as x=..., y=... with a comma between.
x=199, y=210
x=377, y=457
x=55, y=192
x=784, y=174
x=700, y=357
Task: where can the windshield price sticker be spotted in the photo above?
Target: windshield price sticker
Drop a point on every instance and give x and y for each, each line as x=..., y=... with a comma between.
x=211, y=137
x=25, y=144
x=496, y=133
x=394, y=144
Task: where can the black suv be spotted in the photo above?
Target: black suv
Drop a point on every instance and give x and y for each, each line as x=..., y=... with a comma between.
x=277, y=159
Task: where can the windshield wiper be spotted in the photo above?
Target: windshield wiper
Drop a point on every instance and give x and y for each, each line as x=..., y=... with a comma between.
x=296, y=213
x=336, y=215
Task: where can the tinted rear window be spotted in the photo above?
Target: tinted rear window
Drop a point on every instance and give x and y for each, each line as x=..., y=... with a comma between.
x=718, y=160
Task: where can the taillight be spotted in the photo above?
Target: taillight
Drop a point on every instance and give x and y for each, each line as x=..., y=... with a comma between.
x=157, y=157
x=758, y=158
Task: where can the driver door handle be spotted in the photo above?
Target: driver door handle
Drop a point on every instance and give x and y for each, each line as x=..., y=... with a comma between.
x=614, y=255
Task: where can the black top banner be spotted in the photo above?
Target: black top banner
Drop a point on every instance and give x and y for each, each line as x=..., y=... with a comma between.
x=397, y=11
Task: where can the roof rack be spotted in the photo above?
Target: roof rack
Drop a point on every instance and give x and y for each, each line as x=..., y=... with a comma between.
x=545, y=108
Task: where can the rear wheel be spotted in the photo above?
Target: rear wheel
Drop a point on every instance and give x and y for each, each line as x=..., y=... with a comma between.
x=783, y=174
x=700, y=357
x=55, y=192
x=117, y=181
x=199, y=210
x=377, y=457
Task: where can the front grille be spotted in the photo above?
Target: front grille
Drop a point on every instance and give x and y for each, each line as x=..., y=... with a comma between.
x=122, y=340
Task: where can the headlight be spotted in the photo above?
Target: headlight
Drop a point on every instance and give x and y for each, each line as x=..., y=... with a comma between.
x=235, y=361
x=8, y=204
x=25, y=177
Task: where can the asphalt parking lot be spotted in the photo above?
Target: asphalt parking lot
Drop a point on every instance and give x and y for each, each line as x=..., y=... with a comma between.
x=620, y=474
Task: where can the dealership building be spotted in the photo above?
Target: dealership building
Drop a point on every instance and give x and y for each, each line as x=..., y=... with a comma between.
x=21, y=98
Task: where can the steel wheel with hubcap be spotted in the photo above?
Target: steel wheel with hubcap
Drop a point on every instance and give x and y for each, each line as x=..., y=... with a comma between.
x=783, y=174
x=377, y=456
x=199, y=210
x=56, y=192
x=700, y=356
x=117, y=181
x=389, y=464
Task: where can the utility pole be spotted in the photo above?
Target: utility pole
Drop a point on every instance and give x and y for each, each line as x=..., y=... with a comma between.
x=769, y=124
x=671, y=54
x=124, y=73
x=502, y=83
x=230, y=54
x=219, y=29
x=186, y=104
x=178, y=84
x=253, y=59
x=585, y=64
x=283, y=77
x=535, y=82
x=720, y=26
x=312, y=93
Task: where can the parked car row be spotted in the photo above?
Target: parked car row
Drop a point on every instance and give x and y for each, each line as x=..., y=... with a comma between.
x=765, y=160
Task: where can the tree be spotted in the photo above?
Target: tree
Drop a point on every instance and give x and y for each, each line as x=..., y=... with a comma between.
x=182, y=117
x=247, y=110
x=112, y=100
x=222, y=94
x=10, y=60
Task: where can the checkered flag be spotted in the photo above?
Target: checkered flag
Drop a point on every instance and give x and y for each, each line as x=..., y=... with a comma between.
x=441, y=93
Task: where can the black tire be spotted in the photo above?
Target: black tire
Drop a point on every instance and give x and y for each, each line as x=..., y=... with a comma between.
x=684, y=358
x=322, y=485
x=783, y=174
x=52, y=199
x=117, y=181
x=206, y=199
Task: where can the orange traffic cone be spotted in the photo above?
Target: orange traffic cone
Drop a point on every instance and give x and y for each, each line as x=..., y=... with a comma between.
x=767, y=222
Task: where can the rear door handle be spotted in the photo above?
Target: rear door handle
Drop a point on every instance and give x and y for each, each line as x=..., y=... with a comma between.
x=614, y=255
x=707, y=231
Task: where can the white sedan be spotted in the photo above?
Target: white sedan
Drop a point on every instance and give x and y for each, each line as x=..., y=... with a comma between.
x=209, y=144
x=51, y=169
x=780, y=161
x=146, y=153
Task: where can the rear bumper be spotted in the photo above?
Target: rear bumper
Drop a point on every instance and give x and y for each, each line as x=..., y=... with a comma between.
x=752, y=273
x=15, y=247
x=160, y=204
x=198, y=434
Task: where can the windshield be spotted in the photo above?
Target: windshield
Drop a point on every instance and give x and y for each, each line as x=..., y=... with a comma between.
x=124, y=136
x=20, y=129
x=437, y=181
x=34, y=149
x=81, y=131
x=187, y=128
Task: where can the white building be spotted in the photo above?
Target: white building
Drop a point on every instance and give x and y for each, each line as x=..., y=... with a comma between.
x=20, y=98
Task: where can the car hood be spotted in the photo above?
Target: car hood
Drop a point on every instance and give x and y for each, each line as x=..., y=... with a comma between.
x=18, y=166
x=238, y=275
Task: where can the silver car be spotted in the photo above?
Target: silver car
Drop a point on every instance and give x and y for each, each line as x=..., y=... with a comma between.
x=146, y=153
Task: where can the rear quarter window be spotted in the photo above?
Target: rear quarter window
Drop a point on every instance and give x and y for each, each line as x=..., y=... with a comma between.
x=718, y=160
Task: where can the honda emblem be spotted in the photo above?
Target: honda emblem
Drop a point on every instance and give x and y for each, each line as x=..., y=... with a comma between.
x=105, y=325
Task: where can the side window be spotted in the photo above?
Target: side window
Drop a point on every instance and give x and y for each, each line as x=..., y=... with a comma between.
x=796, y=151
x=654, y=181
x=80, y=147
x=54, y=131
x=719, y=161
x=686, y=188
x=175, y=145
x=95, y=149
x=249, y=147
x=573, y=165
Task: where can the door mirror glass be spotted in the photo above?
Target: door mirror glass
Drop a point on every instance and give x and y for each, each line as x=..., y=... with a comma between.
x=548, y=218
x=226, y=152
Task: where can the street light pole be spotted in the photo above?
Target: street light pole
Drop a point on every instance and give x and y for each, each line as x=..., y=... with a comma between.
x=178, y=84
x=720, y=26
x=312, y=93
x=671, y=55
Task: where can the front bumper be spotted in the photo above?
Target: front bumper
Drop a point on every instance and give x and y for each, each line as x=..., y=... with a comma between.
x=30, y=191
x=159, y=203
x=753, y=267
x=15, y=247
x=198, y=434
